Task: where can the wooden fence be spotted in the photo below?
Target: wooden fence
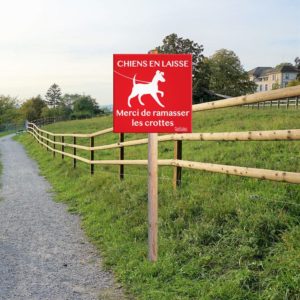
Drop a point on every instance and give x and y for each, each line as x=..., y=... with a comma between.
x=281, y=103
x=52, y=140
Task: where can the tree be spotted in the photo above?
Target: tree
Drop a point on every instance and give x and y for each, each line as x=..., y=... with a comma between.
x=201, y=82
x=176, y=45
x=63, y=109
x=53, y=95
x=85, y=106
x=32, y=108
x=69, y=99
x=297, y=65
x=275, y=86
x=294, y=82
x=297, y=62
x=279, y=66
x=8, y=109
x=228, y=76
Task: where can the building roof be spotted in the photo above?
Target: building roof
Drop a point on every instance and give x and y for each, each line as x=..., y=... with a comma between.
x=259, y=71
x=287, y=68
x=262, y=71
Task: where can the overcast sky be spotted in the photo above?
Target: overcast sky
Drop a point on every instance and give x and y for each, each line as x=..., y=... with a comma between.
x=71, y=42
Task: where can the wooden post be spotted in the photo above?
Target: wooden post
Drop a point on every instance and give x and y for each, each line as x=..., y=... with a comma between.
x=121, y=156
x=92, y=155
x=62, y=147
x=47, y=141
x=271, y=104
x=278, y=103
x=258, y=105
x=287, y=103
x=54, y=146
x=177, y=170
x=297, y=102
x=74, y=152
x=152, y=196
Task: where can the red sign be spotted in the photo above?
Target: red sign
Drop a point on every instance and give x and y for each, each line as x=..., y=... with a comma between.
x=152, y=93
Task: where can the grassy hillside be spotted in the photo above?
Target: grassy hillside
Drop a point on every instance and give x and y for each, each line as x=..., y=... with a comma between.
x=220, y=236
x=6, y=133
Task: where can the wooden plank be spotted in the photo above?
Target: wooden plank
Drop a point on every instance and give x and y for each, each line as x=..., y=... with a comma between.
x=41, y=137
x=152, y=196
x=252, y=98
x=65, y=144
x=62, y=147
x=66, y=153
x=267, y=135
x=121, y=156
x=54, y=146
x=177, y=170
x=74, y=152
x=81, y=135
x=273, y=175
x=133, y=162
x=92, y=155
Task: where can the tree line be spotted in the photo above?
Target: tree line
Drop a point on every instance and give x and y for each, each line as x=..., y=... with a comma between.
x=221, y=74
x=53, y=105
x=214, y=77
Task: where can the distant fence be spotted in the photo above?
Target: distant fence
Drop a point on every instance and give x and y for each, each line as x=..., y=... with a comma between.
x=55, y=142
x=50, y=120
x=282, y=103
x=12, y=127
x=47, y=121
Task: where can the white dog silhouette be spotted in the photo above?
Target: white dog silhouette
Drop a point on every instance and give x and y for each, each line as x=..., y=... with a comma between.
x=140, y=89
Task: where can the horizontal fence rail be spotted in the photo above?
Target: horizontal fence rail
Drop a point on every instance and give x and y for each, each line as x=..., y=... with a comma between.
x=55, y=142
x=248, y=99
x=281, y=103
x=268, y=135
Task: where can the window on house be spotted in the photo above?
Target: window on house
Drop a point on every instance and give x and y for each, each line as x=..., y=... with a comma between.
x=274, y=77
x=260, y=87
x=287, y=76
x=266, y=87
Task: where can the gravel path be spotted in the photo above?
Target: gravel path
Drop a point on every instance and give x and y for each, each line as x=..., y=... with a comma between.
x=43, y=251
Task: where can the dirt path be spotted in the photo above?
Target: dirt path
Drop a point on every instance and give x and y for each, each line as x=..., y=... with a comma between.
x=43, y=251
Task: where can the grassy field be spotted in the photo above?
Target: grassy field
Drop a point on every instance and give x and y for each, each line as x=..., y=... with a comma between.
x=6, y=133
x=220, y=236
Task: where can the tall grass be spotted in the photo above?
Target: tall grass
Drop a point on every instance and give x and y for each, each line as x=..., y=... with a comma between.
x=220, y=236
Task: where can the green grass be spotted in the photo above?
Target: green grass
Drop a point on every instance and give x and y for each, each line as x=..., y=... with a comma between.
x=6, y=133
x=220, y=236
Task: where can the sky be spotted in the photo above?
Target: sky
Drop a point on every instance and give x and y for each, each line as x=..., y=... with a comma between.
x=71, y=42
